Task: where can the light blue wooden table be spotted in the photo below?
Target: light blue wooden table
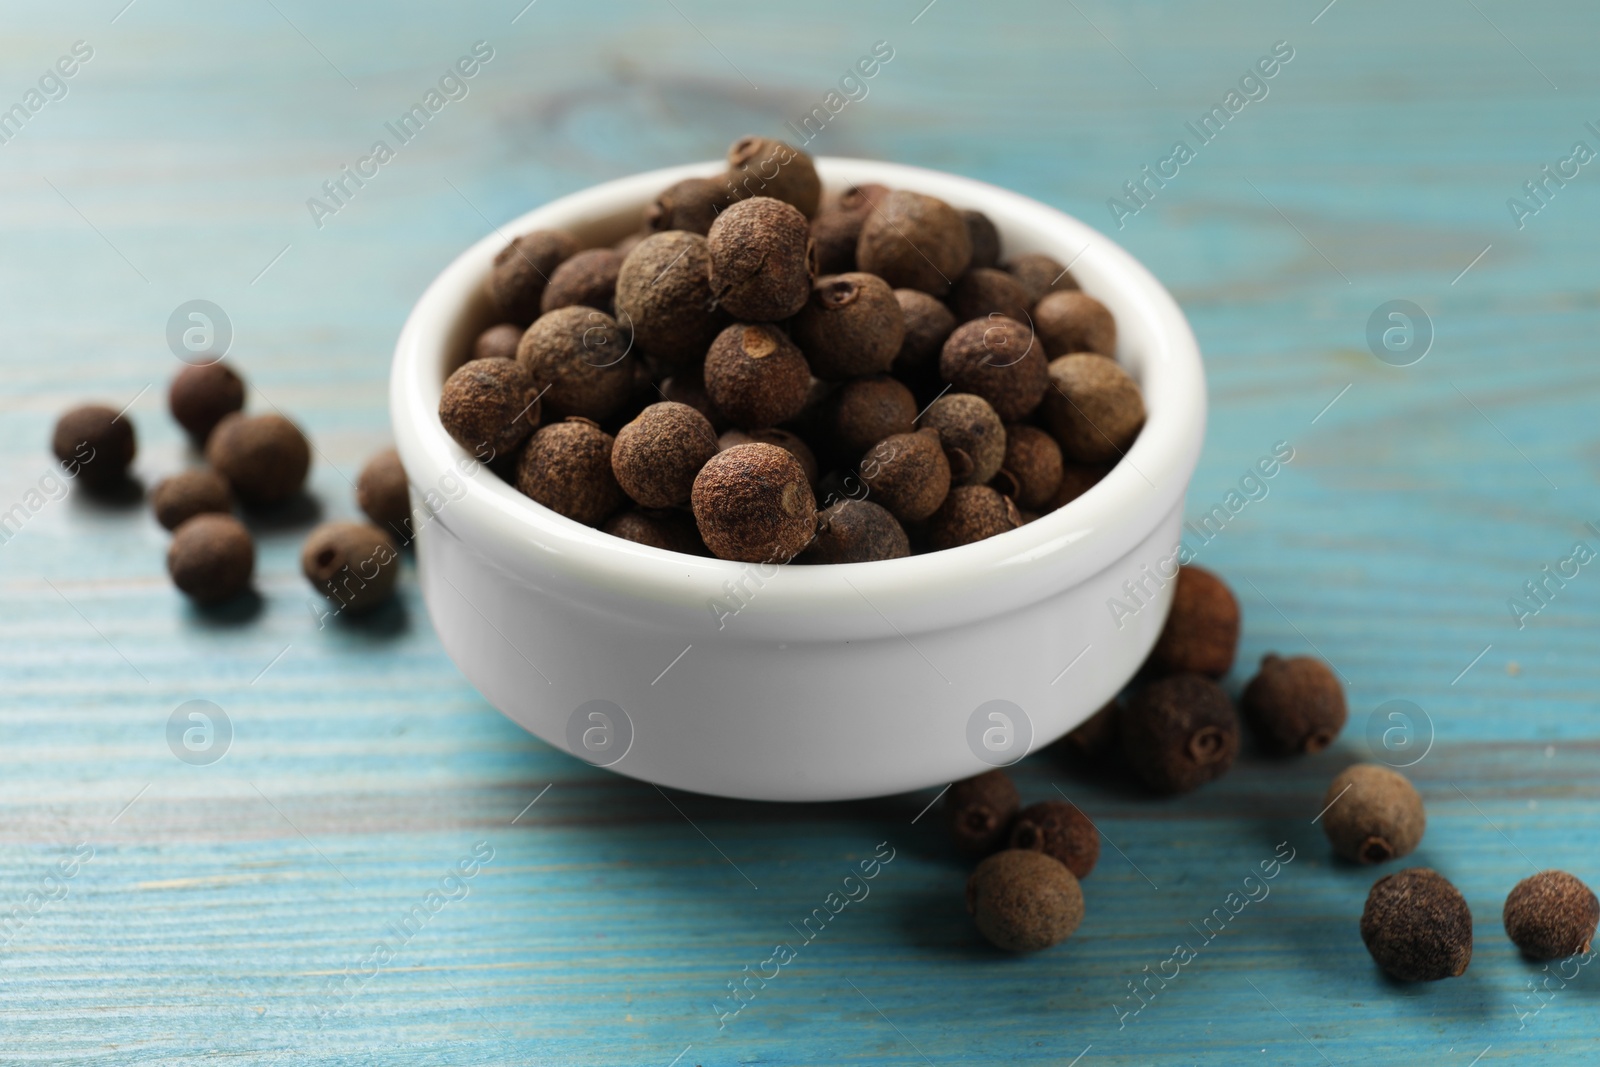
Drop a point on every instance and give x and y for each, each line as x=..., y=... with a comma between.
x=212, y=912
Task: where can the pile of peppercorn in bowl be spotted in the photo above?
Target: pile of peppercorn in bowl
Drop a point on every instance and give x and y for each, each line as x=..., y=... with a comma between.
x=661, y=398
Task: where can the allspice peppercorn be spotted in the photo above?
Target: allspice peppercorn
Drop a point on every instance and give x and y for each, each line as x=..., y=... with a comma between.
x=979, y=811
x=657, y=455
x=1031, y=469
x=763, y=167
x=1076, y=480
x=985, y=240
x=1179, y=733
x=850, y=326
x=753, y=503
x=566, y=466
x=914, y=241
x=689, y=388
x=837, y=228
x=760, y=269
x=522, y=270
x=790, y=443
x=197, y=491
x=1373, y=814
x=1551, y=915
x=1294, y=705
x=856, y=531
x=864, y=411
x=1094, y=409
x=928, y=324
x=383, y=494
x=95, y=445
x=1096, y=738
x=1040, y=275
x=264, y=457
x=984, y=291
x=692, y=204
x=970, y=513
x=756, y=376
x=1417, y=926
x=498, y=342
x=579, y=357
x=353, y=564
x=908, y=474
x=1073, y=321
x=1024, y=901
x=211, y=558
x=998, y=359
x=489, y=406
x=664, y=296
x=1060, y=831
x=201, y=395
x=666, y=528
x=973, y=436
x=587, y=279
x=1202, y=629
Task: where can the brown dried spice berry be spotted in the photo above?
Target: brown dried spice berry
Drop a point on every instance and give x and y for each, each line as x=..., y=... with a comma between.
x=1071, y=321
x=211, y=558
x=1060, y=831
x=498, y=342
x=489, y=406
x=754, y=504
x=970, y=513
x=1373, y=814
x=1031, y=469
x=664, y=297
x=354, y=564
x=1551, y=915
x=1094, y=409
x=837, y=228
x=264, y=457
x=382, y=493
x=1040, y=275
x=671, y=530
x=657, y=455
x=760, y=269
x=999, y=360
x=1076, y=480
x=914, y=241
x=95, y=444
x=850, y=327
x=790, y=443
x=979, y=811
x=756, y=376
x=523, y=269
x=1179, y=733
x=985, y=240
x=1024, y=901
x=567, y=467
x=857, y=531
x=1294, y=705
x=866, y=410
x=201, y=395
x=973, y=436
x=984, y=291
x=928, y=324
x=579, y=357
x=761, y=166
x=1417, y=926
x=588, y=279
x=198, y=491
x=1201, y=633
x=690, y=388
x=629, y=243
x=691, y=205
x=908, y=474
x=1096, y=737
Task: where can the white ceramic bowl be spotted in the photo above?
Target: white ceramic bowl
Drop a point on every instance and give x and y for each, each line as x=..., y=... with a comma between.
x=826, y=682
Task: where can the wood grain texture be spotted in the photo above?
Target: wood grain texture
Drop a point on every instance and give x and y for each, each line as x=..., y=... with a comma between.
x=218, y=909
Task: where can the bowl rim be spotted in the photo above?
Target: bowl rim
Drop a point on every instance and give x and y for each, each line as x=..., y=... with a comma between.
x=1076, y=540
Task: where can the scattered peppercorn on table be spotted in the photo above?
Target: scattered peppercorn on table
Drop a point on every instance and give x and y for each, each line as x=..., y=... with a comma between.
x=280, y=832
